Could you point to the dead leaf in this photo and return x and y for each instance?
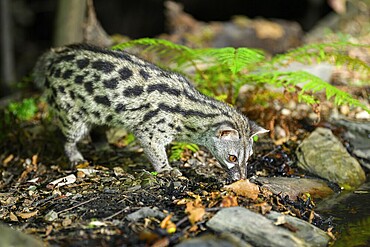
(196, 210)
(34, 159)
(264, 207)
(27, 215)
(168, 224)
(229, 201)
(13, 217)
(330, 233)
(244, 188)
(70, 179)
(48, 230)
(163, 242)
(8, 159)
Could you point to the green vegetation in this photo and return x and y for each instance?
(222, 71)
(178, 149)
(24, 110)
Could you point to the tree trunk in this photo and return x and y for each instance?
(7, 76)
(69, 22)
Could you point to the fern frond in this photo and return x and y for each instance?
(235, 59)
(178, 53)
(310, 84)
(333, 53)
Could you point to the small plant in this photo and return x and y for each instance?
(24, 110)
(178, 150)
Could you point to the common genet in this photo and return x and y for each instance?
(88, 86)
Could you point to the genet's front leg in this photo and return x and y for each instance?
(156, 153)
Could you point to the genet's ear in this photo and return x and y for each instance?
(225, 132)
(256, 129)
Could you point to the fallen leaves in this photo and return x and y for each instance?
(195, 209)
(70, 179)
(27, 215)
(168, 224)
(244, 188)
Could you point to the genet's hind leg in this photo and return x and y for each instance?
(73, 134)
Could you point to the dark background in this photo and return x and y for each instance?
(33, 20)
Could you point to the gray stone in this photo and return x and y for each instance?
(293, 187)
(144, 213)
(323, 155)
(259, 230)
(358, 135)
(10, 237)
(311, 234)
(210, 240)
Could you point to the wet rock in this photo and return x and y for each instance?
(262, 231)
(210, 240)
(10, 237)
(144, 213)
(323, 155)
(358, 135)
(293, 187)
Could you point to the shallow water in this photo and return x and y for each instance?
(351, 216)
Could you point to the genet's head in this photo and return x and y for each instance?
(232, 148)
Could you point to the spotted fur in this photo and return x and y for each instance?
(89, 86)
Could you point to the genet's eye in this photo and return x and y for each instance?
(232, 158)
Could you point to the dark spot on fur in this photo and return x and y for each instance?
(82, 63)
(89, 87)
(144, 74)
(65, 58)
(178, 129)
(47, 83)
(111, 83)
(72, 94)
(82, 98)
(79, 79)
(163, 88)
(61, 89)
(190, 128)
(125, 73)
(109, 118)
(120, 108)
(149, 115)
(103, 66)
(145, 106)
(161, 121)
(67, 74)
(96, 114)
(133, 91)
(57, 73)
(103, 100)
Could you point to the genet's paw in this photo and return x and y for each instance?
(173, 172)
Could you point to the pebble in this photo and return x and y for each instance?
(362, 115)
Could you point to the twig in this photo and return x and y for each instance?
(115, 214)
(80, 204)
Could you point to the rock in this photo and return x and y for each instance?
(262, 231)
(311, 234)
(210, 240)
(322, 70)
(10, 237)
(323, 155)
(293, 187)
(145, 212)
(358, 135)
